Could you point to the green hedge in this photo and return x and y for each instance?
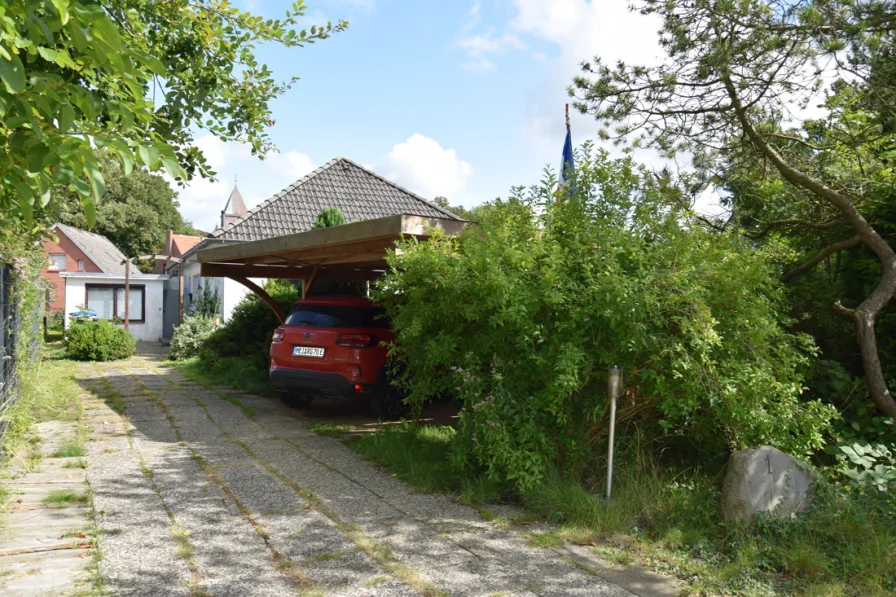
(98, 341)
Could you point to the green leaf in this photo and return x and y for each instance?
(62, 8)
(26, 200)
(97, 184)
(66, 117)
(12, 73)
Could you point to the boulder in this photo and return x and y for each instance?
(764, 480)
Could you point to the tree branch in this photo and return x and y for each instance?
(769, 226)
(819, 257)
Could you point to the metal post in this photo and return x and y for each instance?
(127, 292)
(614, 390)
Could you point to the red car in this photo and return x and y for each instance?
(332, 346)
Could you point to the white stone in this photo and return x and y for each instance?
(764, 480)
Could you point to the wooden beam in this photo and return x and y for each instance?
(226, 270)
(127, 292)
(306, 284)
(388, 228)
(163, 257)
(263, 295)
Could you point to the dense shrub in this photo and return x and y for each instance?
(522, 317)
(189, 336)
(98, 341)
(248, 331)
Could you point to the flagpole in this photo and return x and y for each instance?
(567, 118)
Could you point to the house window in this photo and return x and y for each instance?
(57, 261)
(108, 301)
(80, 265)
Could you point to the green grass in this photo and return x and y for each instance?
(69, 450)
(240, 373)
(331, 429)
(63, 499)
(419, 454)
(668, 519)
(47, 392)
(80, 463)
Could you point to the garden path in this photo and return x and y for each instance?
(203, 493)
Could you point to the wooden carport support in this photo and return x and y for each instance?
(354, 251)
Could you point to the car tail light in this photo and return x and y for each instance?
(278, 335)
(356, 340)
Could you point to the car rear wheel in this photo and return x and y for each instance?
(295, 400)
(388, 404)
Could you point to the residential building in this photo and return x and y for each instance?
(87, 270)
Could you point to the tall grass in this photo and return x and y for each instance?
(242, 373)
(47, 391)
(420, 455)
(666, 516)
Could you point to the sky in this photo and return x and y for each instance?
(460, 98)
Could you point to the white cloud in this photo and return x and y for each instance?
(202, 199)
(422, 165)
(581, 29)
(480, 47)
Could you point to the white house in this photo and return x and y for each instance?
(105, 294)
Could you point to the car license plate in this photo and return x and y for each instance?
(307, 351)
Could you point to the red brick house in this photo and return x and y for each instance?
(77, 250)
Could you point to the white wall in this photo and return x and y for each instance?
(150, 330)
(233, 293)
(230, 291)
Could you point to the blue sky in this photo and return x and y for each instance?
(462, 98)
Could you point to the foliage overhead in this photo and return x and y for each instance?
(139, 78)
(521, 319)
(736, 74)
(135, 214)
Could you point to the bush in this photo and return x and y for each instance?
(98, 341)
(521, 318)
(189, 336)
(247, 334)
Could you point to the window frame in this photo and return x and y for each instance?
(81, 265)
(115, 288)
(53, 267)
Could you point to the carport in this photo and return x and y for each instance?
(355, 251)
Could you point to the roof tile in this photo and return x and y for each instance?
(341, 183)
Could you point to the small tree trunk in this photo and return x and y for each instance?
(877, 385)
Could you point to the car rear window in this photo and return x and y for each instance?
(337, 316)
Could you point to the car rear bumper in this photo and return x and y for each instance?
(317, 383)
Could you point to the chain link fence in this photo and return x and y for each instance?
(9, 322)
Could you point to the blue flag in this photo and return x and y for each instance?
(568, 167)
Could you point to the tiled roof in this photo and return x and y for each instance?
(98, 248)
(341, 183)
(183, 243)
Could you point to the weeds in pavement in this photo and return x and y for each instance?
(63, 499)
(70, 450)
(80, 463)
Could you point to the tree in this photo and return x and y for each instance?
(330, 216)
(135, 214)
(520, 318)
(736, 72)
(140, 78)
(463, 212)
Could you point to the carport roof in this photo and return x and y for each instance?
(355, 246)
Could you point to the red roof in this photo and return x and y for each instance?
(182, 243)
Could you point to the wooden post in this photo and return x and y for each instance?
(127, 292)
(306, 284)
(180, 294)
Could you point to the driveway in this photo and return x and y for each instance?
(214, 493)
